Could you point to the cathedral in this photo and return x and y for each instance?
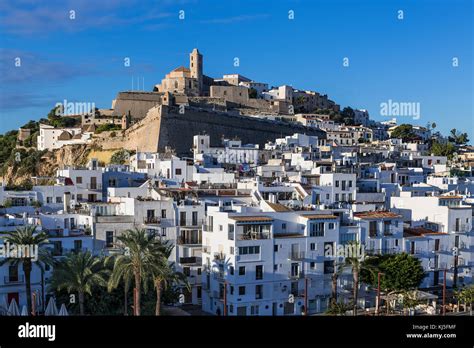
(182, 80)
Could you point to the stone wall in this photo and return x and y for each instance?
(165, 126)
(177, 130)
(137, 103)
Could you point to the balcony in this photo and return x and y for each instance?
(92, 186)
(382, 251)
(207, 228)
(254, 236)
(296, 255)
(437, 266)
(462, 228)
(9, 280)
(152, 220)
(192, 224)
(188, 241)
(293, 275)
(192, 260)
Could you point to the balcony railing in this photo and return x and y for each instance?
(254, 236)
(382, 251)
(20, 279)
(462, 228)
(188, 241)
(299, 275)
(152, 220)
(192, 223)
(207, 228)
(90, 186)
(190, 260)
(296, 255)
(437, 266)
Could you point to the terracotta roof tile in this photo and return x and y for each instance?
(377, 215)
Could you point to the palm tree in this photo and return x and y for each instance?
(357, 264)
(126, 276)
(338, 268)
(137, 259)
(79, 272)
(28, 237)
(164, 274)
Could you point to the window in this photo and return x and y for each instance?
(241, 270)
(283, 226)
(49, 200)
(199, 271)
(230, 233)
(59, 200)
(232, 250)
(187, 271)
(177, 171)
(275, 267)
(163, 231)
(312, 246)
(109, 239)
(241, 290)
(312, 265)
(231, 270)
(77, 245)
(163, 213)
(79, 180)
(316, 229)
(337, 183)
(231, 290)
(258, 291)
(336, 197)
(350, 183)
(373, 228)
(258, 272)
(331, 225)
(249, 250)
(275, 248)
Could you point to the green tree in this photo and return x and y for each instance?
(401, 273)
(404, 132)
(137, 259)
(27, 236)
(443, 149)
(120, 157)
(79, 272)
(339, 308)
(458, 138)
(338, 269)
(163, 272)
(348, 115)
(357, 264)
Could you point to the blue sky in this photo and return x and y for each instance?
(407, 60)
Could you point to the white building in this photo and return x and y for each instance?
(51, 138)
